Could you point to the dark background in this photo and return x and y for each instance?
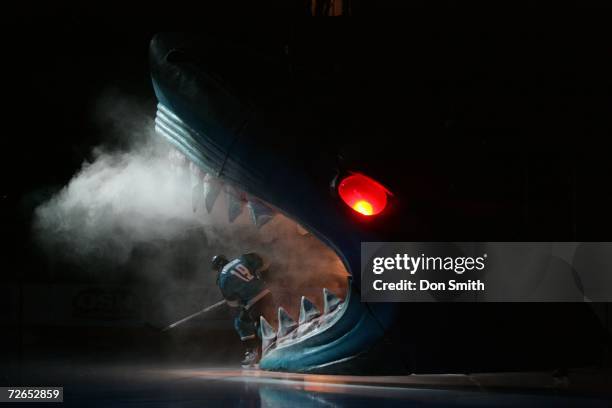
(545, 89)
(61, 61)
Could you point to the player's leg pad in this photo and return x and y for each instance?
(245, 326)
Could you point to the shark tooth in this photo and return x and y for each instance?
(177, 161)
(308, 311)
(197, 175)
(234, 200)
(286, 324)
(171, 153)
(301, 230)
(197, 195)
(175, 156)
(330, 301)
(260, 213)
(212, 188)
(267, 333)
(197, 186)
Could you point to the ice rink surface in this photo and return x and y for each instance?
(139, 385)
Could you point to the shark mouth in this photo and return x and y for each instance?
(268, 187)
(308, 306)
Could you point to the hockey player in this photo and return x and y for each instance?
(243, 288)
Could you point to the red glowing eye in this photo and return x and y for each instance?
(363, 194)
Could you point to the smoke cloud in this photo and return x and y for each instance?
(115, 202)
(127, 215)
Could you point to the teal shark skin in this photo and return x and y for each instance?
(226, 148)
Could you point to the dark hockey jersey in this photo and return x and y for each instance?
(241, 283)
